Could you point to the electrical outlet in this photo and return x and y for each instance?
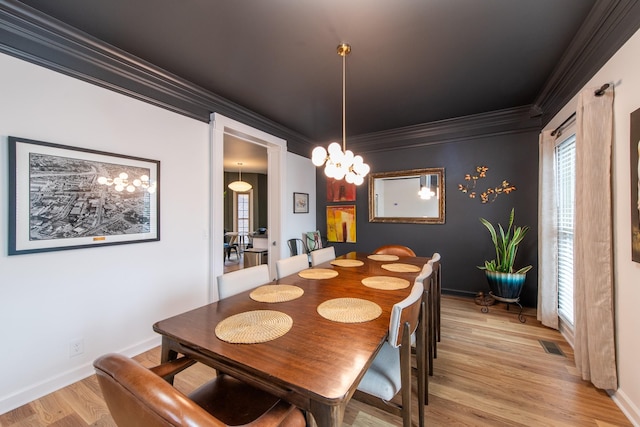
(76, 347)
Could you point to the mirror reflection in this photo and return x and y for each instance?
(410, 196)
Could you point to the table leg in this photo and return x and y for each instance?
(167, 354)
(327, 416)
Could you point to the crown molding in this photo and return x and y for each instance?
(499, 122)
(28, 34)
(608, 26)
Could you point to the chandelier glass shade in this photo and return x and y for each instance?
(340, 163)
(239, 186)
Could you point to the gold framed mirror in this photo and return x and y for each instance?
(409, 196)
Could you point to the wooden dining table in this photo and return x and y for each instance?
(316, 365)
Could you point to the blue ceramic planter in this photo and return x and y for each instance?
(505, 285)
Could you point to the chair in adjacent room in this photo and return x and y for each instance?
(137, 396)
(323, 255)
(398, 250)
(390, 372)
(242, 280)
(296, 247)
(291, 265)
(231, 245)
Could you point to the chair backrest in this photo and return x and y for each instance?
(242, 280)
(136, 396)
(407, 310)
(398, 250)
(435, 264)
(291, 265)
(323, 255)
(296, 247)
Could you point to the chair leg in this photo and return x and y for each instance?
(422, 377)
(405, 376)
(439, 291)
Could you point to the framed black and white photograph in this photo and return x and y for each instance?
(63, 197)
(300, 203)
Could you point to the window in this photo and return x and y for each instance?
(242, 213)
(565, 158)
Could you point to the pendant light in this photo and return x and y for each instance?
(239, 186)
(340, 163)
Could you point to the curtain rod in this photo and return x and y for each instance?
(598, 92)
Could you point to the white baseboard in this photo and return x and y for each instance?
(56, 382)
(627, 407)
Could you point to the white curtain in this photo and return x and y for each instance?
(594, 346)
(547, 234)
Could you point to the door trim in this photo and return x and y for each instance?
(276, 177)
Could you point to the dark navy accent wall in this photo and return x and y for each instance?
(462, 240)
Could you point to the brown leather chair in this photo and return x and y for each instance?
(137, 396)
(398, 250)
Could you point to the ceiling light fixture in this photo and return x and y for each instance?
(341, 163)
(239, 186)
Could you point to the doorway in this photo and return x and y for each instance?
(229, 131)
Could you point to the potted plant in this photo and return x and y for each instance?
(504, 282)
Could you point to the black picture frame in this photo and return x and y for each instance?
(300, 203)
(635, 184)
(56, 201)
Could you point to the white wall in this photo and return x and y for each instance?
(623, 70)
(108, 296)
(300, 178)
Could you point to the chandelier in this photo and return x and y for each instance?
(122, 183)
(340, 163)
(239, 186)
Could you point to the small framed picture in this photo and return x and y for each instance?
(300, 203)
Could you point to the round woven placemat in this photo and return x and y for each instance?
(401, 268)
(383, 257)
(317, 273)
(349, 310)
(386, 283)
(347, 262)
(276, 293)
(252, 327)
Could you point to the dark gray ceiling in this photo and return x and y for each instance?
(413, 61)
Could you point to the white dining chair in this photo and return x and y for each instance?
(322, 255)
(437, 293)
(426, 278)
(291, 265)
(390, 372)
(242, 280)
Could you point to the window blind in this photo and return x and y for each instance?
(565, 192)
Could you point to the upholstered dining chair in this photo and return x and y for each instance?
(137, 396)
(390, 372)
(323, 255)
(242, 280)
(437, 293)
(398, 250)
(291, 265)
(426, 279)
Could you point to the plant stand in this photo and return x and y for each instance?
(521, 318)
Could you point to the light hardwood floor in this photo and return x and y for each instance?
(491, 370)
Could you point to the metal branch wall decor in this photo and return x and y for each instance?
(491, 193)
